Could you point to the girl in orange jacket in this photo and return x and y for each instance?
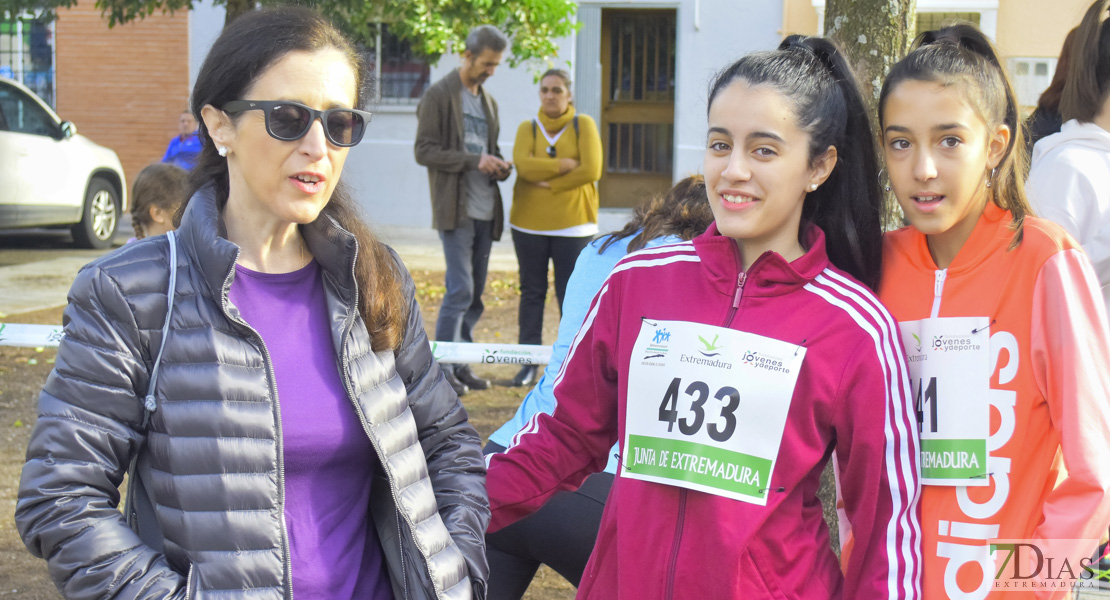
(1005, 333)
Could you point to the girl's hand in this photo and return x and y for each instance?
(566, 165)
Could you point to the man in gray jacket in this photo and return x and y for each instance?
(456, 138)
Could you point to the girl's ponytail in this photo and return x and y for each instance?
(1088, 79)
(849, 205)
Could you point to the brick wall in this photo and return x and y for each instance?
(124, 87)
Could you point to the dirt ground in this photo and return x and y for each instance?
(24, 370)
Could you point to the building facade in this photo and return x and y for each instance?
(641, 69)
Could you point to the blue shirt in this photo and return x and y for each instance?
(590, 272)
(183, 153)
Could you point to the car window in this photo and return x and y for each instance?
(24, 115)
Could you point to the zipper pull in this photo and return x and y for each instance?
(938, 287)
(739, 289)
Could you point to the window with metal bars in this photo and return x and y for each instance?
(644, 59)
(401, 75)
(640, 147)
(641, 78)
(27, 54)
(930, 21)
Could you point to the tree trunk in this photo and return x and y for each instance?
(235, 8)
(875, 34)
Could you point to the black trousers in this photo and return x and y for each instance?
(533, 252)
(560, 535)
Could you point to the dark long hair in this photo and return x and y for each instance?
(961, 56)
(244, 51)
(158, 184)
(1050, 97)
(683, 212)
(1088, 79)
(813, 75)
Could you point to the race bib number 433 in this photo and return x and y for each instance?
(707, 407)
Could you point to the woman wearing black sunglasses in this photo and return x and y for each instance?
(554, 214)
(263, 377)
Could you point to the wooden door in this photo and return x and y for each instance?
(637, 105)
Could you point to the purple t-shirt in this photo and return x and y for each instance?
(329, 461)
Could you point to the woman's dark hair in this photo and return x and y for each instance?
(1050, 98)
(684, 212)
(163, 185)
(1088, 79)
(561, 74)
(962, 58)
(814, 77)
(246, 48)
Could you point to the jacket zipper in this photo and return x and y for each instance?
(374, 442)
(381, 458)
(189, 583)
(938, 287)
(740, 280)
(286, 559)
(677, 542)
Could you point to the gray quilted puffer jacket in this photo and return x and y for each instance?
(207, 518)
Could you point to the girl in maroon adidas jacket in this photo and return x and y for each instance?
(730, 368)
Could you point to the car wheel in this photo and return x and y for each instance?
(100, 217)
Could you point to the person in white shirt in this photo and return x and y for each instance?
(1069, 181)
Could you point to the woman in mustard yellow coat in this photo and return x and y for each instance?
(554, 214)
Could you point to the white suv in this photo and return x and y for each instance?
(50, 176)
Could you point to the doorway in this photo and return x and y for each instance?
(637, 105)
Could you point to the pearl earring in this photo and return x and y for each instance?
(887, 188)
(221, 150)
(813, 187)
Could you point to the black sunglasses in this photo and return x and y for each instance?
(289, 121)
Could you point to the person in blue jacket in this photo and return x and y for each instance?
(185, 146)
(561, 535)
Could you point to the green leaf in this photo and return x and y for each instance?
(430, 26)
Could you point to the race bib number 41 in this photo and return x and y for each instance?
(707, 407)
(949, 365)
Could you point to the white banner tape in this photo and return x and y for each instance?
(30, 336)
(47, 336)
(491, 354)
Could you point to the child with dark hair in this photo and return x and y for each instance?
(158, 192)
(1006, 331)
(729, 368)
